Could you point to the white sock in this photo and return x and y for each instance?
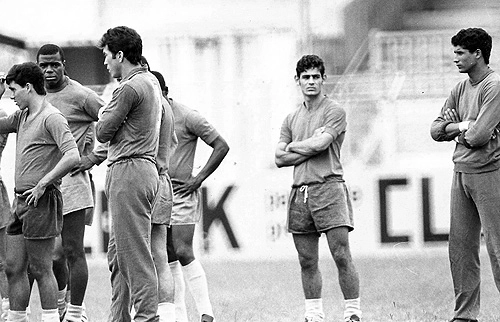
(314, 307)
(50, 315)
(352, 306)
(5, 308)
(73, 313)
(166, 312)
(61, 301)
(197, 282)
(17, 316)
(179, 292)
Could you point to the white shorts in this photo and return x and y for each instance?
(76, 192)
(186, 210)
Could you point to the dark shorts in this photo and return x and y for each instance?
(317, 208)
(40, 222)
(4, 205)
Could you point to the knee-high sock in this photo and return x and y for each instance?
(197, 283)
(180, 292)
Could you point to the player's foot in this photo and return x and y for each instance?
(315, 318)
(207, 318)
(353, 318)
(462, 320)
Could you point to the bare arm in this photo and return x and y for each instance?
(313, 145)
(69, 160)
(220, 150)
(284, 158)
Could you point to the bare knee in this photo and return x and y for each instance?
(342, 256)
(184, 253)
(308, 262)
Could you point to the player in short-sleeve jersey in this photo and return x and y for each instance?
(310, 140)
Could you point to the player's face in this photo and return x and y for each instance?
(464, 59)
(311, 82)
(53, 69)
(112, 63)
(19, 94)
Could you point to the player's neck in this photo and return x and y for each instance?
(59, 86)
(36, 104)
(478, 73)
(311, 102)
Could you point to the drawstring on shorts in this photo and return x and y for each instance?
(304, 190)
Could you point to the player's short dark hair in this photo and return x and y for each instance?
(473, 39)
(161, 80)
(123, 39)
(144, 62)
(27, 73)
(50, 49)
(308, 62)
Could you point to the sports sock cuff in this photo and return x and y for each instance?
(314, 305)
(193, 269)
(51, 315)
(352, 306)
(74, 313)
(17, 316)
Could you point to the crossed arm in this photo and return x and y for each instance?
(296, 152)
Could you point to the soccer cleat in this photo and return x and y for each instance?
(462, 320)
(315, 318)
(207, 318)
(353, 318)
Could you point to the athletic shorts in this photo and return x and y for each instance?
(186, 209)
(76, 192)
(4, 206)
(162, 205)
(319, 207)
(40, 222)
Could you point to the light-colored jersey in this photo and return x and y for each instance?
(41, 142)
(301, 124)
(189, 126)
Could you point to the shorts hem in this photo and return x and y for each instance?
(323, 230)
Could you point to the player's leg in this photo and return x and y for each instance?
(178, 279)
(338, 242)
(166, 307)
(487, 189)
(40, 259)
(464, 244)
(16, 266)
(120, 293)
(4, 285)
(74, 252)
(307, 250)
(132, 187)
(60, 268)
(4, 219)
(182, 236)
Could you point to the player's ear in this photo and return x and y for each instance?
(296, 78)
(324, 77)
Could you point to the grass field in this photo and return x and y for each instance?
(396, 285)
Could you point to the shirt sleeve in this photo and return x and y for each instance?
(286, 132)
(93, 104)
(200, 127)
(115, 113)
(438, 127)
(335, 121)
(488, 118)
(58, 128)
(8, 124)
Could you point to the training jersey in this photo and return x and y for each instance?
(40, 143)
(189, 126)
(131, 120)
(3, 138)
(80, 105)
(168, 139)
(478, 102)
(301, 124)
